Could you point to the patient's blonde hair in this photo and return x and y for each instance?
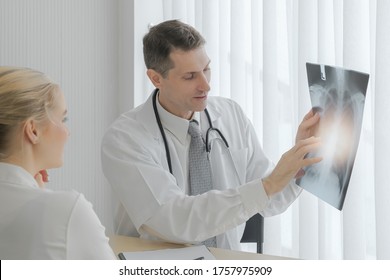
(24, 94)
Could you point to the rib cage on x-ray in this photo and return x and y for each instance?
(338, 95)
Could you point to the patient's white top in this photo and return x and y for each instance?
(43, 224)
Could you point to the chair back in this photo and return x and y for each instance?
(254, 232)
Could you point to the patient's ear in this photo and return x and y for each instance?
(154, 77)
(31, 131)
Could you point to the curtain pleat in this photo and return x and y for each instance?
(356, 55)
(257, 66)
(382, 132)
(211, 27)
(307, 52)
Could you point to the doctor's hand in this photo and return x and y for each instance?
(308, 126)
(291, 164)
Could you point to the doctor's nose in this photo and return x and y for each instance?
(204, 82)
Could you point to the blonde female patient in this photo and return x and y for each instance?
(36, 223)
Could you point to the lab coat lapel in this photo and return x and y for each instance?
(148, 119)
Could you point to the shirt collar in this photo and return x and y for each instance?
(174, 124)
(15, 174)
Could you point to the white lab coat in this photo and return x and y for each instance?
(154, 203)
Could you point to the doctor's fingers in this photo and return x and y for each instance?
(310, 160)
(306, 145)
(309, 121)
(309, 115)
(294, 159)
(297, 155)
(308, 126)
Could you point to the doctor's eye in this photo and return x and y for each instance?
(188, 77)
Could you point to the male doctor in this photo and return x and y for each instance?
(147, 165)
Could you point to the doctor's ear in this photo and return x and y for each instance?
(31, 131)
(154, 77)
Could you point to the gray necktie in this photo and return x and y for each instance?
(200, 170)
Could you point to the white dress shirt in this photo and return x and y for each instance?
(155, 204)
(43, 224)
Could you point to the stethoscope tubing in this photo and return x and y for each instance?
(158, 120)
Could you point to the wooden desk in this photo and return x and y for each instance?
(121, 243)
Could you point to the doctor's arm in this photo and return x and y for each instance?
(192, 219)
(157, 206)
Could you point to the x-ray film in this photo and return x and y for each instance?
(338, 95)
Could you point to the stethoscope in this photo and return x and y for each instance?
(209, 130)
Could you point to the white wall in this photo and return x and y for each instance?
(126, 54)
(76, 43)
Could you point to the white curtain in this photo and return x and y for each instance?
(258, 51)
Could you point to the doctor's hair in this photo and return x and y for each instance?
(24, 94)
(164, 38)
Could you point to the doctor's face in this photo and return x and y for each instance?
(185, 88)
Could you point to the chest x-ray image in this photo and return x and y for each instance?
(338, 95)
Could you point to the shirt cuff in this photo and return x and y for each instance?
(254, 197)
